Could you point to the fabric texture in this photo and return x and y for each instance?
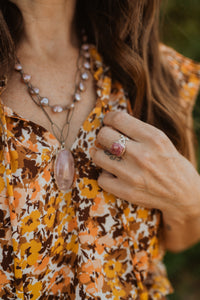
(86, 243)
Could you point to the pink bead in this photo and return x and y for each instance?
(86, 65)
(87, 55)
(117, 149)
(57, 109)
(44, 101)
(34, 91)
(26, 78)
(77, 97)
(82, 87)
(85, 47)
(84, 75)
(18, 67)
(64, 170)
(99, 93)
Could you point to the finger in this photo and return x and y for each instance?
(107, 136)
(135, 153)
(130, 126)
(115, 165)
(123, 190)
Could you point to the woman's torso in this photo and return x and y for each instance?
(83, 244)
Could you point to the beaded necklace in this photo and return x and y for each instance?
(64, 161)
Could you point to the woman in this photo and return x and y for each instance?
(95, 187)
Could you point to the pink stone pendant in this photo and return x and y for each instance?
(64, 170)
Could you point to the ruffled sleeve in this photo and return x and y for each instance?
(187, 75)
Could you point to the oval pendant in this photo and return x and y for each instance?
(64, 170)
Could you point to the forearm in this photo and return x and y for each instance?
(180, 235)
(182, 221)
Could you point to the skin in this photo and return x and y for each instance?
(48, 25)
(48, 52)
(151, 173)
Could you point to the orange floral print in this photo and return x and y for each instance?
(85, 243)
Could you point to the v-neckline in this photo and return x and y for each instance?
(101, 101)
(10, 113)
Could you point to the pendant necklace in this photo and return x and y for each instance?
(64, 161)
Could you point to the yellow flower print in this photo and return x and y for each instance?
(94, 53)
(30, 252)
(20, 294)
(15, 245)
(14, 160)
(68, 198)
(98, 73)
(59, 245)
(142, 213)
(67, 213)
(2, 184)
(109, 198)
(73, 245)
(154, 247)
(45, 155)
(113, 268)
(161, 284)
(70, 213)
(89, 188)
(106, 86)
(9, 185)
(89, 125)
(127, 211)
(49, 218)
(118, 293)
(17, 268)
(35, 290)
(30, 223)
(117, 289)
(144, 296)
(2, 167)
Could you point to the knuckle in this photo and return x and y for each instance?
(102, 133)
(137, 181)
(146, 159)
(159, 138)
(146, 156)
(118, 117)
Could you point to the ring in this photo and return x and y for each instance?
(118, 148)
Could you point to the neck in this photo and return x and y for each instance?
(48, 28)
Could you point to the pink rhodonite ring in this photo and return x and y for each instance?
(118, 148)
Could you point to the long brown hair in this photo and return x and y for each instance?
(126, 34)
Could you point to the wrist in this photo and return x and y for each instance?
(180, 233)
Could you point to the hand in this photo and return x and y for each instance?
(151, 173)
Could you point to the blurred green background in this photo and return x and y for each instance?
(180, 29)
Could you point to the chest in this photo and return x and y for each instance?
(18, 99)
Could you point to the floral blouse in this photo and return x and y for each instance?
(85, 243)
